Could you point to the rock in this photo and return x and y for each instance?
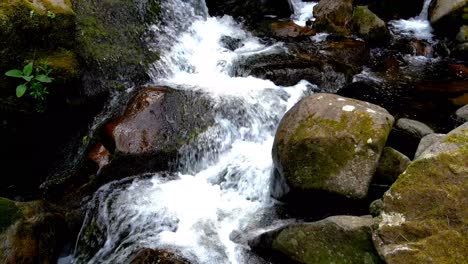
(100, 155)
(369, 26)
(289, 29)
(413, 127)
(252, 11)
(393, 9)
(112, 43)
(32, 232)
(447, 16)
(462, 35)
(231, 43)
(427, 141)
(336, 239)
(330, 64)
(150, 256)
(462, 113)
(376, 207)
(406, 135)
(331, 143)
(333, 16)
(426, 210)
(392, 163)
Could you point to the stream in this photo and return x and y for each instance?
(221, 190)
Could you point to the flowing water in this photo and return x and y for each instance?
(222, 186)
(418, 27)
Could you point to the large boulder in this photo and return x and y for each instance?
(447, 16)
(252, 11)
(336, 239)
(32, 232)
(425, 212)
(333, 16)
(369, 26)
(331, 143)
(146, 136)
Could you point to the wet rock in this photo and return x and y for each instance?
(289, 29)
(462, 113)
(32, 232)
(425, 211)
(231, 43)
(369, 26)
(100, 155)
(330, 64)
(413, 127)
(251, 11)
(406, 134)
(392, 163)
(111, 43)
(155, 125)
(393, 9)
(331, 143)
(332, 240)
(427, 141)
(333, 16)
(153, 256)
(447, 16)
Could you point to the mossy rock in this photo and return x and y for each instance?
(333, 16)
(336, 239)
(64, 65)
(331, 143)
(36, 234)
(9, 213)
(447, 16)
(110, 37)
(426, 211)
(392, 163)
(369, 26)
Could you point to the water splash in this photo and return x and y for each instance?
(418, 27)
(223, 182)
(303, 11)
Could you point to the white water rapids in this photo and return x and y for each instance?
(196, 213)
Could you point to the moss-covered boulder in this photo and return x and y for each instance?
(336, 239)
(447, 16)
(333, 16)
(331, 143)
(369, 26)
(111, 42)
(425, 213)
(31, 232)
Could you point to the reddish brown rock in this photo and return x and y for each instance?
(288, 29)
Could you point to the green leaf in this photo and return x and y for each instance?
(28, 78)
(28, 69)
(20, 90)
(44, 78)
(14, 73)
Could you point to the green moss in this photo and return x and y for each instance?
(326, 244)
(64, 65)
(90, 231)
(9, 213)
(314, 158)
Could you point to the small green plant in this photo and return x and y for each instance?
(34, 85)
(50, 14)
